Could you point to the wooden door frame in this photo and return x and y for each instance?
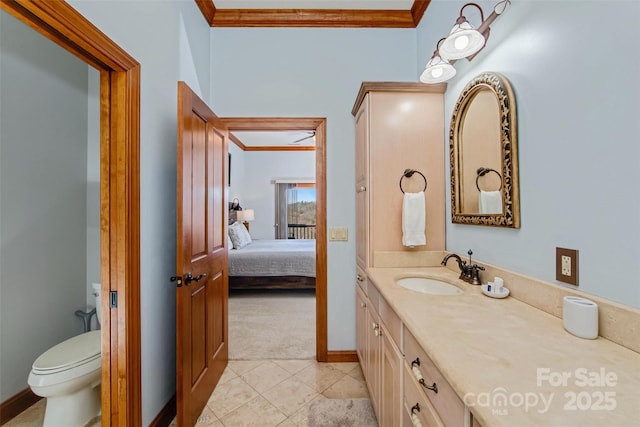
(119, 195)
(320, 126)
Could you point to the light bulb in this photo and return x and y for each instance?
(461, 42)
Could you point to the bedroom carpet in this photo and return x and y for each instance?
(342, 413)
(272, 325)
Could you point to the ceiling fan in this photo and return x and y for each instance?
(310, 134)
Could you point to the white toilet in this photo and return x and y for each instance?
(68, 376)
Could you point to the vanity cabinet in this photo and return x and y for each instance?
(401, 377)
(398, 126)
(381, 360)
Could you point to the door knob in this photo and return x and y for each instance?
(189, 278)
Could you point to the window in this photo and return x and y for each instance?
(295, 211)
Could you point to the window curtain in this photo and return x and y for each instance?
(281, 225)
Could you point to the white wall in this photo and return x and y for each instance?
(574, 67)
(237, 172)
(258, 192)
(170, 39)
(43, 184)
(304, 72)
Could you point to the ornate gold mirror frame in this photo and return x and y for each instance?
(506, 121)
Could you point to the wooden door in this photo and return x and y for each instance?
(202, 285)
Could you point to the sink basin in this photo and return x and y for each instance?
(428, 286)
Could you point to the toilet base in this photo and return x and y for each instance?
(72, 410)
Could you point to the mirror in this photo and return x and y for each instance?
(483, 151)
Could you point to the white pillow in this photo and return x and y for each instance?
(239, 235)
(229, 242)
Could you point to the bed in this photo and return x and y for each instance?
(273, 264)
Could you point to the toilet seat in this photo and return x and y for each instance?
(76, 351)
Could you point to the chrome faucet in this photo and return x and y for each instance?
(470, 273)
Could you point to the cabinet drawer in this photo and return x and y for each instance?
(391, 321)
(415, 402)
(374, 297)
(445, 401)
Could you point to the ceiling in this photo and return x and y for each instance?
(275, 138)
(314, 13)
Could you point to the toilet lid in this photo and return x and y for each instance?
(68, 354)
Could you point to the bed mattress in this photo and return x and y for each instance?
(283, 257)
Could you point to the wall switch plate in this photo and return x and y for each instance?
(567, 266)
(340, 234)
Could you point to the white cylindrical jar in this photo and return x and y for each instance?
(580, 317)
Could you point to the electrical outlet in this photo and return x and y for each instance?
(567, 266)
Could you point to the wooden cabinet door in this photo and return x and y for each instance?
(362, 142)
(362, 186)
(373, 357)
(361, 328)
(390, 382)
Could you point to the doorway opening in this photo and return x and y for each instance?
(318, 127)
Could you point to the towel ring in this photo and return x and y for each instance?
(483, 172)
(408, 173)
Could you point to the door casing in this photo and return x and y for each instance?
(119, 195)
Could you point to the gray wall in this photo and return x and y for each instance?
(258, 193)
(93, 188)
(43, 201)
(578, 132)
(307, 72)
(170, 39)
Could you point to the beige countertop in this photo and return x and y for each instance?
(512, 364)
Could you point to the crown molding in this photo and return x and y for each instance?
(325, 18)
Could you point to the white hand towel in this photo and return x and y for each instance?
(413, 219)
(490, 202)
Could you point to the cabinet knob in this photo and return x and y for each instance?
(363, 305)
(359, 278)
(361, 189)
(415, 408)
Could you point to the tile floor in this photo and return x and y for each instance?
(262, 393)
(34, 416)
(278, 392)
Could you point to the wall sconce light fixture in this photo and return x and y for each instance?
(463, 41)
(437, 69)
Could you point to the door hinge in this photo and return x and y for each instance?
(113, 299)
(177, 279)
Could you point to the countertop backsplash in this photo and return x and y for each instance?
(617, 322)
